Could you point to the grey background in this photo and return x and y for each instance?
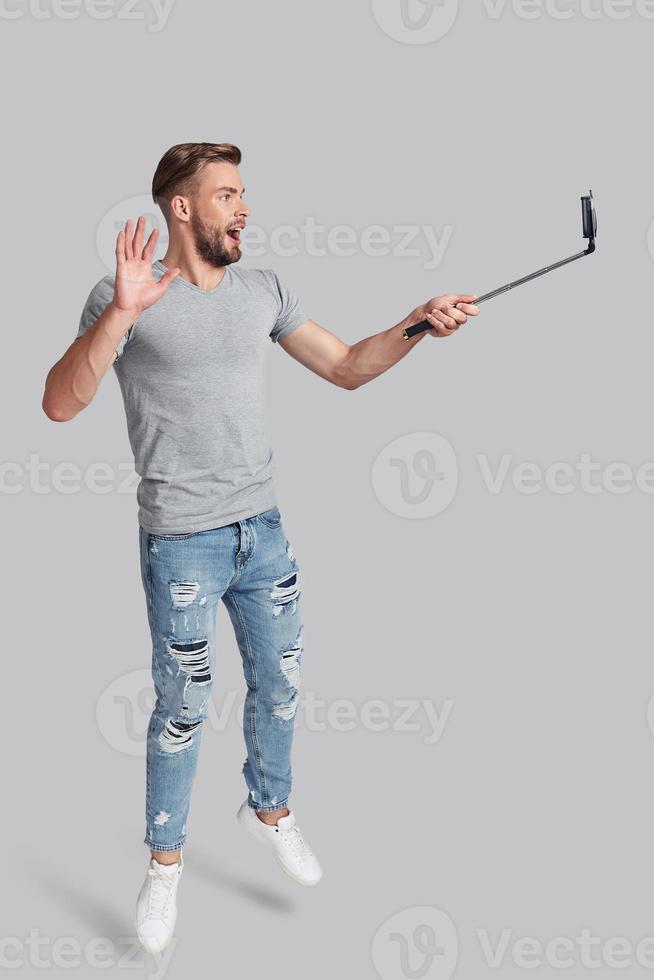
(531, 613)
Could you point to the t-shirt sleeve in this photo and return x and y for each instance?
(291, 313)
(96, 303)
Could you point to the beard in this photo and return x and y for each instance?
(209, 241)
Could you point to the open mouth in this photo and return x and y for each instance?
(235, 235)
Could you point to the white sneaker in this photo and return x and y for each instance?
(287, 843)
(156, 907)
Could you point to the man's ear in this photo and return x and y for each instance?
(179, 206)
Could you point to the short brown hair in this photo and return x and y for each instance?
(180, 167)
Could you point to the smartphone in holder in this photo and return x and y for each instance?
(589, 217)
(589, 221)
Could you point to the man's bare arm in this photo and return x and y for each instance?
(72, 382)
(350, 366)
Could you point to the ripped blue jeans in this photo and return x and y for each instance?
(250, 565)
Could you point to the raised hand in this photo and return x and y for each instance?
(136, 288)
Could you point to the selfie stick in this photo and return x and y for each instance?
(589, 219)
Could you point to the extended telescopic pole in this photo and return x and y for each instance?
(590, 230)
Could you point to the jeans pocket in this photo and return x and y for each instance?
(270, 517)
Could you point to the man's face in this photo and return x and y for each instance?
(218, 214)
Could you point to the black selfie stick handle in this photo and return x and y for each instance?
(590, 230)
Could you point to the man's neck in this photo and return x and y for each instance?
(194, 269)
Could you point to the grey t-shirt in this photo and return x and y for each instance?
(190, 370)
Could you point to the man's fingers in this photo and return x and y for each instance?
(120, 247)
(439, 317)
(447, 313)
(459, 298)
(150, 245)
(129, 235)
(442, 322)
(437, 329)
(450, 315)
(457, 314)
(139, 236)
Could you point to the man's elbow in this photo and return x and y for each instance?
(55, 413)
(344, 377)
(344, 381)
(55, 410)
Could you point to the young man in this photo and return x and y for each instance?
(186, 335)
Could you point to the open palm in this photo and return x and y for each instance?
(135, 287)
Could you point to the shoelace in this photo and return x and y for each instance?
(161, 888)
(292, 836)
